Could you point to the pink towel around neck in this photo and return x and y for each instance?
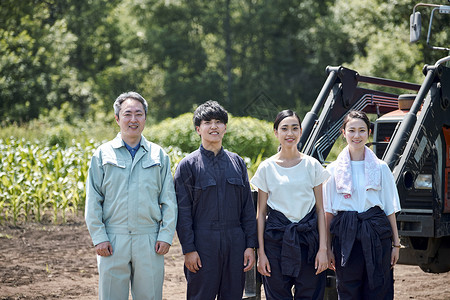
(343, 175)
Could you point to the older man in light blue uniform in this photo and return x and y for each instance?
(131, 207)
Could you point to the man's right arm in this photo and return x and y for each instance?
(184, 182)
(94, 201)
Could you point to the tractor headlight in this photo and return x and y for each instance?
(423, 182)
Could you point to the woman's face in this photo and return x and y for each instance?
(356, 133)
(288, 132)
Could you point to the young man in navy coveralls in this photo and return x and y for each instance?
(216, 222)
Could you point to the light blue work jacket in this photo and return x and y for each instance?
(125, 196)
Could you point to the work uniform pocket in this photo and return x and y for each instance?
(201, 187)
(150, 177)
(236, 181)
(148, 191)
(113, 162)
(151, 239)
(236, 186)
(148, 163)
(115, 172)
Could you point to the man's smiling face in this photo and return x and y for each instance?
(211, 131)
(131, 119)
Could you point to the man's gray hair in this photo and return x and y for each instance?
(129, 95)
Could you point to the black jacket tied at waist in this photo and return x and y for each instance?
(291, 235)
(369, 228)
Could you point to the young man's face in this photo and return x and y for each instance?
(131, 119)
(211, 131)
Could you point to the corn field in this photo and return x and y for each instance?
(35, 180)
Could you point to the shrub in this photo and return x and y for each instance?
(176, 132)
(246, 136)
(249, 137)
(53, 130)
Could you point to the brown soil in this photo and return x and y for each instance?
(58, 262)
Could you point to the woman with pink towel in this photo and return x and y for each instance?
(360, 200)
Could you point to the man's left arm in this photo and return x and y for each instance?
(248, 214)
(168, 206)
(248, 221)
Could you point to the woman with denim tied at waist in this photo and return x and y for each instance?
(361, 200)
(292, 241)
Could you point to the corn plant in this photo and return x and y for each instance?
(37, 179)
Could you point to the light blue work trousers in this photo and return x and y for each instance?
(134, 263)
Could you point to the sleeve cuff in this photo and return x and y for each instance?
(100, 239)
(252, 244)
(188, 248)
(164, 237)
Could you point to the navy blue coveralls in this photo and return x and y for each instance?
(216, 218)
(362, 246)
(291, 249)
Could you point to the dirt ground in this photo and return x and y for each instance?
(58, 262)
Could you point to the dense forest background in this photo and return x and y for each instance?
(254, 57)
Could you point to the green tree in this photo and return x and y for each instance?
(234, 50)
(33, 59)
(50, 53)
(379, 34)
(178, 54)
(176, 43)
(282, 49)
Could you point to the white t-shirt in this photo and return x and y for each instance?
(290, 189)
(361, 200)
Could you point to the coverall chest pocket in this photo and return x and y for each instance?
(115, 171)
(201, 188)
(150, 186)
(150, 177)
(237, 182)
(236, 185)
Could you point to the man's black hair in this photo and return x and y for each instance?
(208, 111)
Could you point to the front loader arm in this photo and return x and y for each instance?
(434, 115)
(339, 95)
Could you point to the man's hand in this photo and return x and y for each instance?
(249, 259)
(192, 261)
(104, 249)
(162, 247)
